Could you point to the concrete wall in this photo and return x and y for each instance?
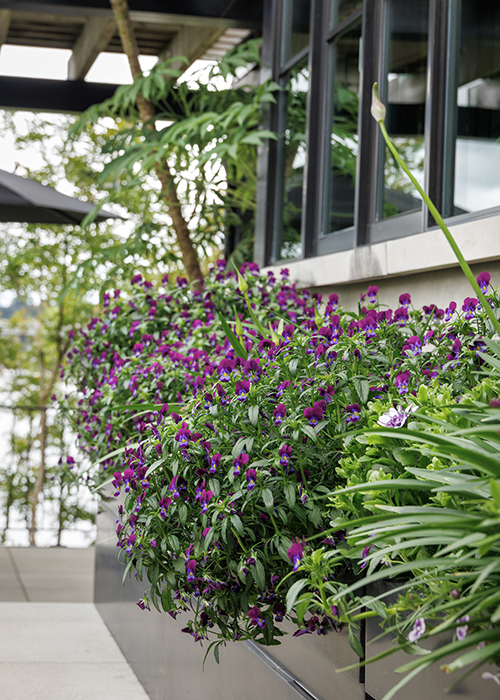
(422, 264)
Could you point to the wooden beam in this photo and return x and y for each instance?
(94, 38)
(5, 18)
(191, 42)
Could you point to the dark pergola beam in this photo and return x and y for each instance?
(51, 95)
(239, 13)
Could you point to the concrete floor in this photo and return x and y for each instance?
(53, 642)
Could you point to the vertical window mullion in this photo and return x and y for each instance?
(267, 157)
(315, 129)
(435, 126)
(367, 166)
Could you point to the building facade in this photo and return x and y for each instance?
(333, 207)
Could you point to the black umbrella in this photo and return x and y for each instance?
(30, 202)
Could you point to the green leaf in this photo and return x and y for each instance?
(362, 389)
(166, 599)
(267, 497)
(259, 574)
(238, 525)
(293, 593)
(302, 605)
(310, 432)
(289, 490)
(356, 645)
(253, 415)
(495, 492)
(238, 347)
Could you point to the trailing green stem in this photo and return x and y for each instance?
(379, 115)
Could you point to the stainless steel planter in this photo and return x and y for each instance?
(170, 664)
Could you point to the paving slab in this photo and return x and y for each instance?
(11, 587)
(57, 651)
(52, 574)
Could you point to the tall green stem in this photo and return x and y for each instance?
(378, 112)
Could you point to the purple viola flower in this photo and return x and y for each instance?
(450, 310)
(369, 325)
(136, 279)
(372, 294)
(296, 553)
(205, 497)
(285, 453)
(224, 369)
(256, 617)
(164, 504)
(131, 543)
(173, 488)
(418, 630)
(128, 479)
(469, 307)
(251, 477)
(333, 300)
(483, 280)
(214, 462)
(405, 300)
(463, 629)
(279, 413)
(118, 478)
(413, 346)
(190, 569)
(353, 413)
(239, 462)
(241, 390)
(315, 413)
(401, 382)
(401, 316)
(478, 346)
(396, 417)
(281, 388)
(252, 369)
(279, 612)
(288, 332)
(183, 436)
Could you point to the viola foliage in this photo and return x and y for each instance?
(237, 446)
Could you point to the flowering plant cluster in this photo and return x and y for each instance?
(224, 492)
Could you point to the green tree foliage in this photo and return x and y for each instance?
(206, 131)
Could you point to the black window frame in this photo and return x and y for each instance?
(437, 168)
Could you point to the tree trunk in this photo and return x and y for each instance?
(40, 477)
(8, 505)
(147, 114)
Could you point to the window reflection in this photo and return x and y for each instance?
(342, 9)
(344, 130)
(477, 119)
(297, 14)
(293, 160)
(405, 90)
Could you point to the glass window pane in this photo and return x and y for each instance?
(344, 130)
(292, 159)
(342, 9)
(297, 18)
(477, 146)
(404, 93)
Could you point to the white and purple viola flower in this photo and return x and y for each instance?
(396, 417)
(418, 630)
